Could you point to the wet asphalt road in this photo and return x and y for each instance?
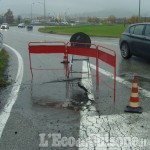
(51, 105)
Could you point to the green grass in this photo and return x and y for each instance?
(91, 30)
(3, 64)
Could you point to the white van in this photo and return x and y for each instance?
(5, 26)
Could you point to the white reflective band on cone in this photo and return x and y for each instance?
(134, 104)
(134, 95)
(134, 85)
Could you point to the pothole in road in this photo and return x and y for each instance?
(77, 99)
(76, 102)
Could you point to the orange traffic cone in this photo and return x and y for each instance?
(134, 106)
(65, 60)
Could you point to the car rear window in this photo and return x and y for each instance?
(147, 30)
(139, 29)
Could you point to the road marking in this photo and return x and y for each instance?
(4, 115)
(107, 43)
(104, 131)
(144, 92)
(87, 83)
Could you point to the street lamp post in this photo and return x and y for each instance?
(31, 11)
(139, 10)
(44, 11)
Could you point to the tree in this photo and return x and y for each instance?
(111, 19)
(19, 19)
(1, 19)
(9, 16)
(93, 20)
(133, 19)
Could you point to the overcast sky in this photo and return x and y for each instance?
(20, 7)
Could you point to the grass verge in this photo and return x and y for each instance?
(3, 65)
(91, 30)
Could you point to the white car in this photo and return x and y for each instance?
(5, 26)
(21, 25)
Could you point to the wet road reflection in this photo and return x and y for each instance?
(53, 104)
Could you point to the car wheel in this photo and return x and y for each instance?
(125, 51)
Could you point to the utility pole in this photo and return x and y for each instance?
(31, 11)
(139, 10)
(44, 12)
(43, 3)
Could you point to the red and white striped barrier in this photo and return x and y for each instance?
(98, 52)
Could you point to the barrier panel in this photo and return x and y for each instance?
(98, 52)
(109, 57)
(45, 48)
(82, 49)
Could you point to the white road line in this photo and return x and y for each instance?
(107, 43)
(103, 132)
(87, 83)
(4, 115)
(144, 92)
(87, 80)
